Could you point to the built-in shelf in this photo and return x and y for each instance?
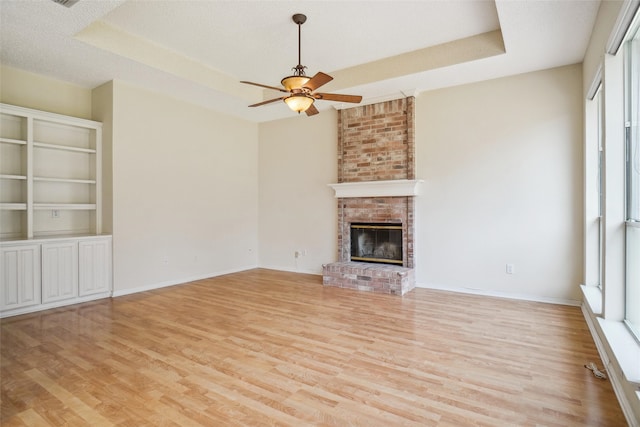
(65, 180)
(13, 141)
(63, 147)
(52, 251)
(13, 206)
(17, 177)
(49, 162)
(64, 206)
(393, 188)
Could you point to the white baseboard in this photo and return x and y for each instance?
(183, 280)
(291, 270)
(586, 312)
(57, 304)
(508, 295)
(498, 294)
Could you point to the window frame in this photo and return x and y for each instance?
(632, 180)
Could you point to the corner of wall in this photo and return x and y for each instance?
(30, 90)
(102, 111)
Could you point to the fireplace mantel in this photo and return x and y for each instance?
(394, 188)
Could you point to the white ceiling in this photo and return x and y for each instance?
(200, 50)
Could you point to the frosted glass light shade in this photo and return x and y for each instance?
(299, 102)
(294, 82)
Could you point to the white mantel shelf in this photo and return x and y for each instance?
(394, 188)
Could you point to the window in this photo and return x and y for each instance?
(632, 184)
(600, 181)
(594, 189)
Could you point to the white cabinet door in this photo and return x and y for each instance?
(20, 276)
(95, 266)
(59, 271)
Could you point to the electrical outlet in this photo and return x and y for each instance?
(55, 213)
(510, 269)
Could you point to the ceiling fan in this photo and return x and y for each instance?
(300, 88)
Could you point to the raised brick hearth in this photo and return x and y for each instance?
(375, 143)
(365, 276)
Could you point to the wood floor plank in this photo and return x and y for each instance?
(263, 347)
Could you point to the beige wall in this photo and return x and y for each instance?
(185, 191)
(298, 211)
(502, 161)
(31, 90)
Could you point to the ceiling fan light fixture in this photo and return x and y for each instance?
(300, 88)
(299, 102)
(291, 83)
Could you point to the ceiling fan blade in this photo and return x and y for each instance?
(267, 102)
(318, 80)
(265, 86)
(312, 110)
(338, 97)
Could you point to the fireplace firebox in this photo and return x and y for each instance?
(377, 243)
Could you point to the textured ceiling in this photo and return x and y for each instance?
(200, 50)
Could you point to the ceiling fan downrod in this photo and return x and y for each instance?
(299, 19)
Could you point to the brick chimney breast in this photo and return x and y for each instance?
(375, 143)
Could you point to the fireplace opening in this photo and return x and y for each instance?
(378, 243)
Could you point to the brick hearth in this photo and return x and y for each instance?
(365, 276)
(375, 143)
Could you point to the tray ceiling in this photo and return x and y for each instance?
(200, 50)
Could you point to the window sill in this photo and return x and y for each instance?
(625, 348)
(593, 297)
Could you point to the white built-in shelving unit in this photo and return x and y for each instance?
(50, 209)
(50, 174)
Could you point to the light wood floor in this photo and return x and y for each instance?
(271, 348)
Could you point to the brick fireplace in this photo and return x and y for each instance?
(376, 184)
